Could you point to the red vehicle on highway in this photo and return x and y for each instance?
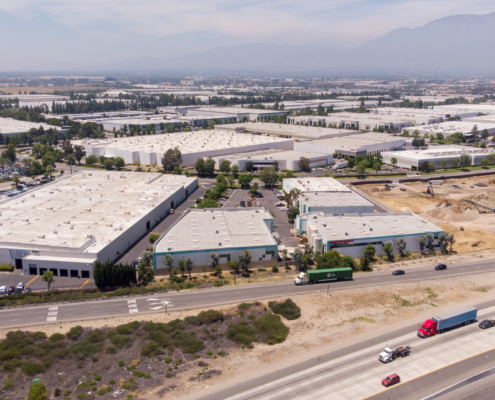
(391, 380)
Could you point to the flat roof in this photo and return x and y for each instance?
(367, 226)
(216, 230)
(10, 125)
(441, 152)
(84, 211)
(359, 140)
(188, 142)
(487, 108)
(338, 199)
(271, 154)
(296, 131)
(311, 184)
(450, 127)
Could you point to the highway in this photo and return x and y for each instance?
(191, 299)
(356, 373)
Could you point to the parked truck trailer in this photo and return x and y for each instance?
(312, 277)
(451, 319)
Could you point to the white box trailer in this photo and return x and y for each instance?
(340, 165)
(436, 182)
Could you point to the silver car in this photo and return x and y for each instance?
(3, 289)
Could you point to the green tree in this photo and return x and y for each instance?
(177, 171)
(37, 391)
(389, 250)
(235, 171)
(145, 274)
(269, 177)
(425, 166)
(369, 253)
(49, 170)
(451, 240)
(48, 278)
(79, 153)
(442, 241)
(348, 262)
(200, 166)
(168, 261)
(422, 243)
(484, 134)
(16, 179)
(292, 214)
(455, 162)
(393, 161)
(351, 162)
(330, 259)
(91, 159)
(377, 166)
(298, 254)
(432, 166)
(464, 161)
(119, 163)
(245, 180)
(304, 164)
(401, 246)
(10, 152)
(171, 159)
(249, 166)
(429, 241)
(475, 132)
(214, 259)
(491, 158)
(189, 265)
(210, 166)
(225, 166)
(182, 267)
(484, 162)
(244, 258)
(153, 237)
(361, 168)
(108, 164)
(443, 163)
(231, 180)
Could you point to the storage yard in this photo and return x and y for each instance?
(473, 231)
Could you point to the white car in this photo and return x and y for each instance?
(3, 289)
(20, 285)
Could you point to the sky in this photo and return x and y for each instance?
(41, 32)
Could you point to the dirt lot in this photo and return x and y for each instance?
(327, 323)
(479, 229)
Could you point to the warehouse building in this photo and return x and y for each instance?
(298, 132)
(472, 108)
(421, 116)
(237, 113)
(358, 144)
(278, 159)
(357, 121)
(326, 195)
(67, 225)
(449, 128)
(413, 159)
(226, 233)
(10, 126)
(351, 234)
(149, 149)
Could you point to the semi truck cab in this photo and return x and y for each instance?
(429, 328)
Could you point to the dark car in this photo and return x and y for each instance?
(18, 291)
(10, 290)
(259, 195)
(440, 267)
(391, 380)
(487, 323)
(399, 272)
(28, 290)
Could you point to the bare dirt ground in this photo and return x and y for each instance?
(327, 323)
(473, 231)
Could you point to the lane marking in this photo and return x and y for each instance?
(84, 283)
(51, 319)
(133, 310)
(32, 280)
(53, 308)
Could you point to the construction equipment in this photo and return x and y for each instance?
(481, 209)
(447, 203)
(429, 191)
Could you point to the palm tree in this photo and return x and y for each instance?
(49, 169)
(189, 265)
(70, 160)
(16, 179)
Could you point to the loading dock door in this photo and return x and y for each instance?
(18, 263)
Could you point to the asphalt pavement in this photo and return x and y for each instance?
(187, 300)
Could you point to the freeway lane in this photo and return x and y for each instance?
(178, 301)
(357, 373)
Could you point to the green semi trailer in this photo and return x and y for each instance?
(312, 277)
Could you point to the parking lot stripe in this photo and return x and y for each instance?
(32, 280)
(84, 283)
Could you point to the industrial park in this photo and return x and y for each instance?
(209, 201)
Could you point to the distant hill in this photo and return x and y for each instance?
(461, 44)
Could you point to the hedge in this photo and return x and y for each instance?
(6, 267)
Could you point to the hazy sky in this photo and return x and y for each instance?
(43, 31)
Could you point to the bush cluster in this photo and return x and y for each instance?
(6, 267)
(288, 309)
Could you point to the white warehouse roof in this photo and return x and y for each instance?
(10, 126)
(309, 184)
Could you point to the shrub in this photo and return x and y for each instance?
(90, 344)
(8, 384)
(10, 366)
(209, 353)
(120, 341)
(188, 342)
(81, 396)
(97, 378)
(168, 360)
(252, 317)
(38, 335)
(151, 349)
(104, 391)
(37, 391)
(196, 321)
(32, 368)
(67, 393)
(244, 306)
(111, 382)
(221, 353)
(138, 373)
(6, 267)
(111, 350)
(74, 332)
(169, 375)
(274, 269)
(272, 326)
(95, 359)
(57, 392)
(126, 328)
(121, 364)
(288, 309)
(210, 316)
(56, 337)
(241, 333)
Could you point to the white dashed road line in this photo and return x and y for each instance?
(132, 306)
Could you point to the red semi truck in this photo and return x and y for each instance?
(451, 319)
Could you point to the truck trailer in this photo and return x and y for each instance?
(312, 277)
(388, 355)
(451, 319)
